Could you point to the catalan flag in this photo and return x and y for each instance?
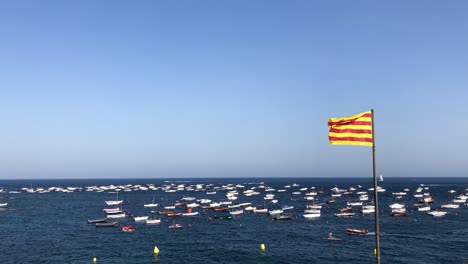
(351, 130)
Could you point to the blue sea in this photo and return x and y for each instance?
(52, 227)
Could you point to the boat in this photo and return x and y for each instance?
(220, 209)
(3, 204)
(381, 178)
(311, 216)
(153, 221)
(152, 204)
(452, 206)
(282, 217)
(368, 210)
(346, 209)
(174, 214)
(174, 226)
(287, 207)
(115, 202)
(140, 218)
(165, 212)
(102, 220)
(261, 211)
(437, 213)
(223, 216)
(190, 214)
(356, 231)
(122, 215)
(171, 207)
(424, 208)
(398, 211)
(237, 212)
(275, 212)
(128, 229)
(330, 237)
(312, 211)
(106, 224)
(399, 214)
(112, 210)
(345, 214)
(397, 206)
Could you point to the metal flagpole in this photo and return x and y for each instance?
(376, 201)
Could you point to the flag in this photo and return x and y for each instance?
(351, 130)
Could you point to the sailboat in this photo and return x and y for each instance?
(152, 204)
(115, 202)
(381, 178)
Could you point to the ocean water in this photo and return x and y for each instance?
(52, 227)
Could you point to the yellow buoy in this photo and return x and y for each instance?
(262, 247)
(94, 260)
(156, 250)
(375, 251)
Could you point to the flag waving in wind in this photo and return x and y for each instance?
(351, 130)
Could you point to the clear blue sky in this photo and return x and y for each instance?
(230, 88)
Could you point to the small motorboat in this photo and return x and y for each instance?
(220, 209)
(223, 216)
(437, 213)
(174, 214)
(140, 218)
(345, 215)
(190, 214)
(282, 217)
(173, 226)
(330, 237)
(97, 221)
(3, 204)
(287, 207)
(128, 229)
(106, 224)
(356, 231)
(346, 209)
(399, 214)
(153, 221)
(237, 212)
(165, 212)
(311, 216)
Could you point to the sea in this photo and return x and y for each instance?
(52, 227)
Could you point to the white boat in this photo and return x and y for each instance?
(354, 203)
(368, 210)
(112, 210)
(311, 211)
(314, 206)
(459, 200)
(424, 209)
(3, 204)
(190, 214)
(140, 218)
(437, 213)
(237, 212)
(396, 206)
(381, 178)
(260, 211)
(311, 216)
(398, 210)
(344, 215)
(153, 221)
(275, 212)
(115, 202)
(170, 207)
(250, 208)
(122, 215)
(192, 205)
(452, 206)
(152, 204)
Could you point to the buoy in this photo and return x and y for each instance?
(375, 251)
(262, 247)
(156, 250)
(94, 260)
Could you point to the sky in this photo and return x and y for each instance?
(99, 89)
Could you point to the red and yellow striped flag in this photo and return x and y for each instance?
(351, 130)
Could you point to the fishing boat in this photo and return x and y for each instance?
(102, 220)
(356, 231)
(128, 229)
(106, 224)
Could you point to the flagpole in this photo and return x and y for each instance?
(376, 201)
